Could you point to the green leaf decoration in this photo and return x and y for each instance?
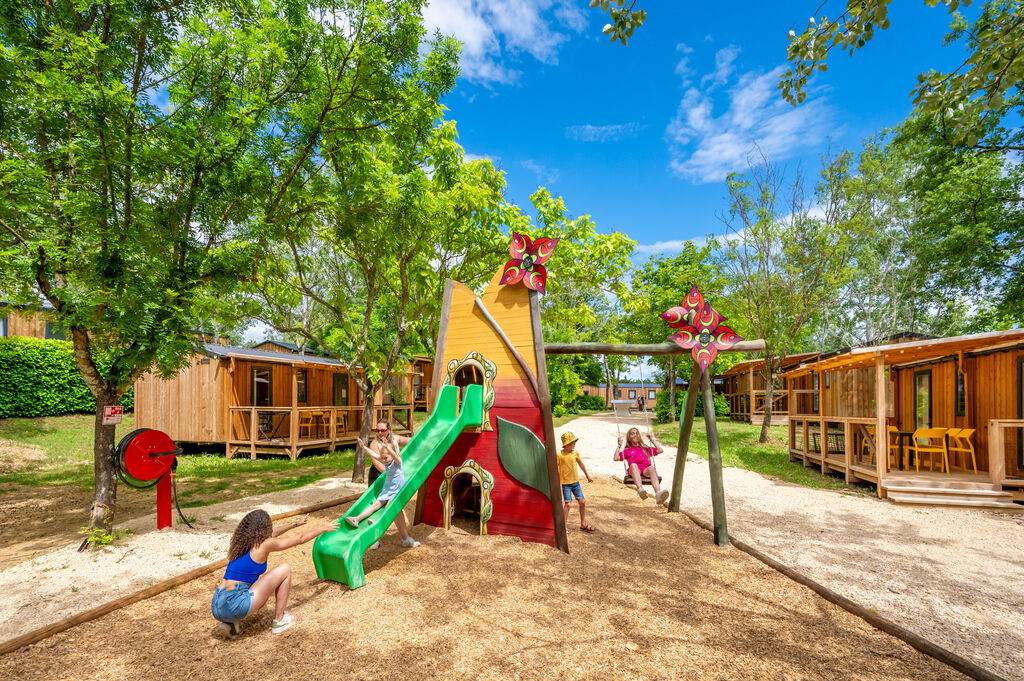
(523, 456)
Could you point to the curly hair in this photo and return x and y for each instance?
(255, 528)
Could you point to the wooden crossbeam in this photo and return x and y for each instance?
(638, 350)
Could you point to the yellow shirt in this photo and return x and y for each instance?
(567, 471)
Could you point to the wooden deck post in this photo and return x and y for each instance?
(806, 442)
(252, 433)
(683, 445)
(848, 441)
(790, 412)
(996, 452)
(293, 420)
(333, 434)
(715, 466)
(753, 398)
(881, 427)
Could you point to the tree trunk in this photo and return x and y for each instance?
(359, 458)
(672, 388)
(769, 396)
(105, 480)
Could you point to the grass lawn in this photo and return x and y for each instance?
(740, 449)
(59, 452)
(565, 418)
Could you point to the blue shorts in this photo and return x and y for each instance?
(570, 491)
(233, 605)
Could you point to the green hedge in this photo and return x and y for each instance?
(590, 402)
(39, 378)
(662, 406)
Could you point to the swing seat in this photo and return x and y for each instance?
(646, 480)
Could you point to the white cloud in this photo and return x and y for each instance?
(544, 174)
(683, 69)
(705, 147)
(673, 246)
(602, 133)
(724, 60)
(492, 31)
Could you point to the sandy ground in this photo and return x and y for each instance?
(646, 597)
(64, 582)
(955, 577)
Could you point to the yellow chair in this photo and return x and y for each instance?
(960, 443)
(934, 443)
(305, 424)
(865, 448)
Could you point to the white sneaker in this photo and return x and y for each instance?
(661, 496)
(642, 493)
(375, 545)
(277, 626)
(410, 543)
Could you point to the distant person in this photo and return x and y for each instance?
(568, 460)
(383, 435)
(641, 404)
(247, 584)
(638, 459)
(387, 457)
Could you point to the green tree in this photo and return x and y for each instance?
(587, 273)
(662, 282)
(131, 146)
(967, 102)
(784, 265)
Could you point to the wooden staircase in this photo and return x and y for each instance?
(957, 490)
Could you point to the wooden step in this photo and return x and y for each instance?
(936, 482)
(947, 491)
(966, 502)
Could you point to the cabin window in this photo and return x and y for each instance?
(815, 383)
(340, 390)
(586, 392)
(54, 331)
(3, 327)
(261, 395)
(618, 393)
(961, 392)
(651, 394)
(300, 382)
(632, 394)
(922, 399)
(828, 377)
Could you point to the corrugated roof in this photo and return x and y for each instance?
(228, 351)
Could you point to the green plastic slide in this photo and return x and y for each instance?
(339, 555)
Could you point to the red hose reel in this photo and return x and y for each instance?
(146, 458)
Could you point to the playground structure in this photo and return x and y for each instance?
(488, 447)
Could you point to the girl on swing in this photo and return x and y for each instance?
(638, 459)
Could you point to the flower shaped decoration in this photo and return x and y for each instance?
(527, 263)
(700, 329)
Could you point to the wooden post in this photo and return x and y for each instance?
(293, 425)
(252, 433)
(823, 412)
(683, 446)
(715, 466)
(753, 398)
(334, 426)
(881, 427)
(848, 441)
(558, 515)
(996, 452)
(790, 412)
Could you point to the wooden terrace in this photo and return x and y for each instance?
(950, 410)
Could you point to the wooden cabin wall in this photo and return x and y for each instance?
(992, 392)
(188, 407)
(850, 393)
(26, 324)
(943, 395)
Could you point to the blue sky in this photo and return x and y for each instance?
(640, 137)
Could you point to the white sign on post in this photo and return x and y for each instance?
(112, 415)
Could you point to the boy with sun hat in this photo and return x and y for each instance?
(568, 459)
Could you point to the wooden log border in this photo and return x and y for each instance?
(933, 650)
(31, 637)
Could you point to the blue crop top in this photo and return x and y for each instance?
(245, 569)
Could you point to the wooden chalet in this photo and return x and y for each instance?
(261, 401)
(949, 411)
(17, 320)
(421, 370)
(745, 389)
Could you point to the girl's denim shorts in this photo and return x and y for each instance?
(233, 605)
